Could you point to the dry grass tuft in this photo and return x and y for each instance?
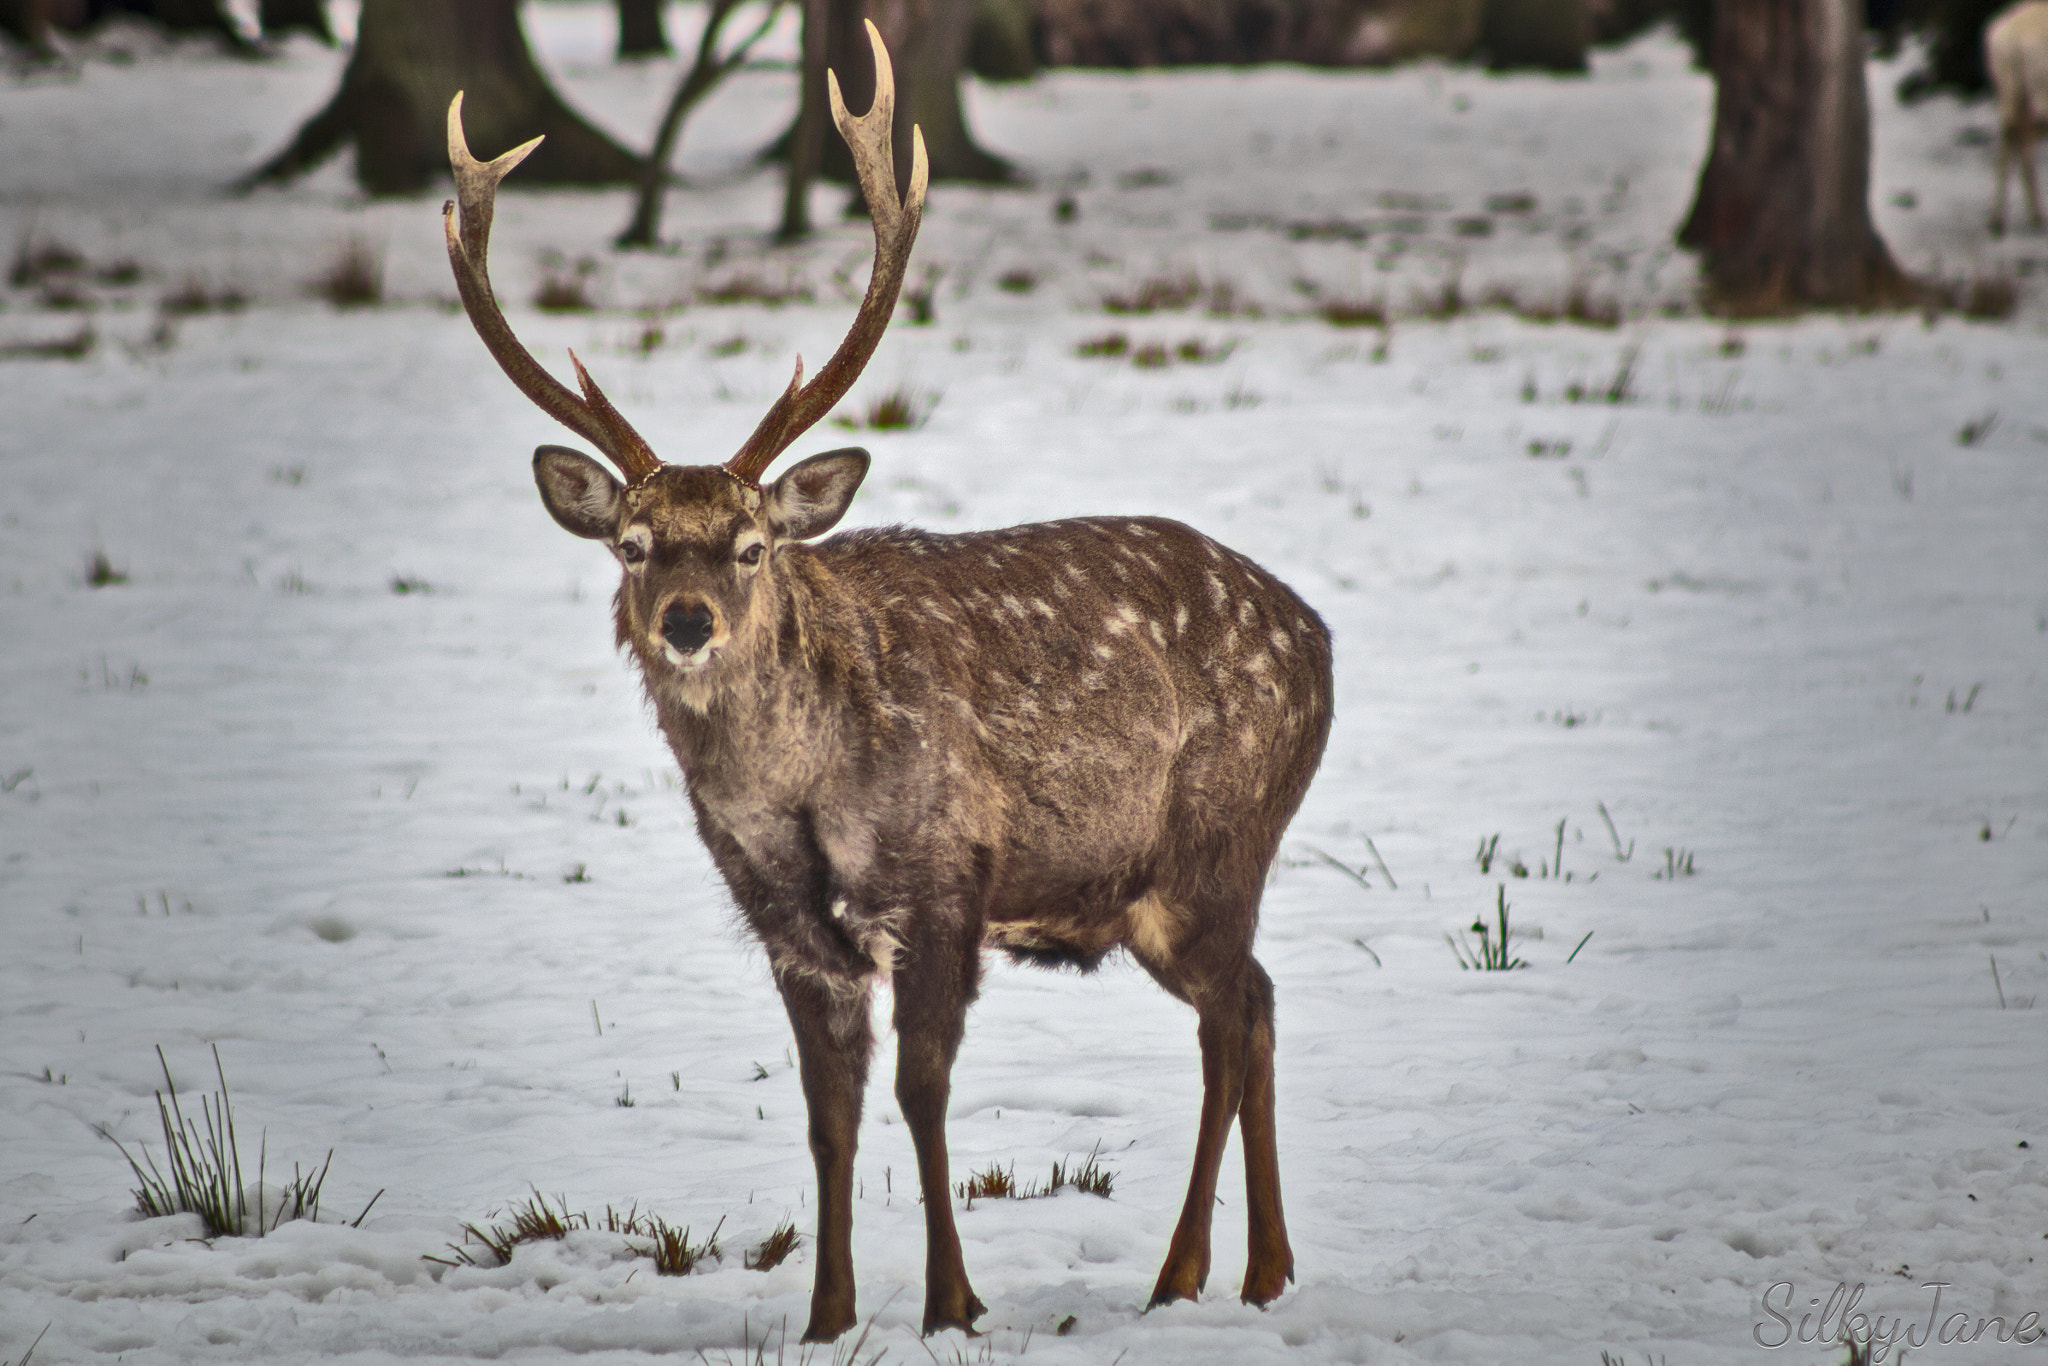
(34, 261)
(1000, 1183)
(1109, 344)
(1354, 312)
(748, 288)
(773, 1250)
(1987, 298)
(77, 346)
(194, 296)
(899, 410)
(1160, 294)
(100, 571)
(355, 278)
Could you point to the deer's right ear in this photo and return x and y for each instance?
(580, 493)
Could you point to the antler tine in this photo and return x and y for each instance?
(469, 239)
(896, 222)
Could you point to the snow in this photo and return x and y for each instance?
(1771, 611)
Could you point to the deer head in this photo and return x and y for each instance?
(696, 543)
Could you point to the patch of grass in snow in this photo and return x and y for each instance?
(902, 409)
(205, 1162)
(746, 287)
(1158, 294)
(354, 278)
(919, 298)
(773, 1250)
(77, 346)
(1677, 864)
(1000, 1183)
(1489, 956)
(100, 571)
(195, 296)
(535, 1220)
(1985, 298)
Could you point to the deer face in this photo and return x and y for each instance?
(696, 545)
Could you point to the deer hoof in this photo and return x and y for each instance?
(938, 1318)
(826, 1327)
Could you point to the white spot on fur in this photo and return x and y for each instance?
(1158, 632)
(1180, 618)
(1245, 611)
(1281, 644)
(1103, 651)
(1218, 594)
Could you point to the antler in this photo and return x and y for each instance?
(591, 416)
(896, 222)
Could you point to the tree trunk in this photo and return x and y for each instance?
(278, 17)
(411, 57)
(1541, 35)
(806, 141)
(27, 22)
(640, 31)
(999, 45)
(927, 42)
(1782, 215)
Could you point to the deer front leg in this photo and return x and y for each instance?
(833, 1040)
(934, 981)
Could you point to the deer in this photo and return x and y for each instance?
(903, 748)
(2016, 55)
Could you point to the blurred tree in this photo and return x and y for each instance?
(1781, 218)
(640, 30)
(927, 41)
(1954, 55)
(999, 40)
(708, 68)
(27, 23)
(1541, 35)
(410, 58)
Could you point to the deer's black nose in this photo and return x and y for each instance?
(686, 628)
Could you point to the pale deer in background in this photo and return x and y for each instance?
(2016, 54)
(1059, 740)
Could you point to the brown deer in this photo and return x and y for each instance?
(2016, 55)
(1057, 740)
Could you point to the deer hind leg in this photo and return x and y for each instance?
(934, 980)
(1232, 996)
(1271, 1264)
(2023, 148)
(833, 1040)
(2005, 143)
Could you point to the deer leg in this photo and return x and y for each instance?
(2004, 169)
(1271, 1264)
(933, 983)
(1223, 1035)
(833, 1040)
(2025, 152)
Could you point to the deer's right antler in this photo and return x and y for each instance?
(896, 222)
(469, 241)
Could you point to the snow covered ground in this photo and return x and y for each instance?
(1782, 610)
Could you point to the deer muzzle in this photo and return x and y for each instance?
(687, 627)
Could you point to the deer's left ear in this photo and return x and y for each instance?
(812, 497)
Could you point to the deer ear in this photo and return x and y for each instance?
(809, 499)
(580, 493)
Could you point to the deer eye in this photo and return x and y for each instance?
(752, 554)
(632, 552)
